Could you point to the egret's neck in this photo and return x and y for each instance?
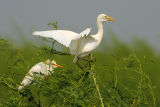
(100, 28)
(49, 67)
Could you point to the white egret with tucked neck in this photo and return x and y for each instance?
(80, 44)
(41, 69)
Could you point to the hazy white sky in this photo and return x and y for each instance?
(140, 17)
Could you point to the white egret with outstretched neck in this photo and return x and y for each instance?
(80, 44)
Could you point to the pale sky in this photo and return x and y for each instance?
(133, 17)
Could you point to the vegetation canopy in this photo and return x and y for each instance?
(123, 75)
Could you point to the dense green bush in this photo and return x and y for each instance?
(123, 76)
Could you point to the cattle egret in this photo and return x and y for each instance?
(80, 44)
(41, 69)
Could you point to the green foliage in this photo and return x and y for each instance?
(122, 76)
(54, 25)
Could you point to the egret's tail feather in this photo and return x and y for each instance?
(75, 59)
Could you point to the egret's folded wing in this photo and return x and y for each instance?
(84, 33)
(62, 36)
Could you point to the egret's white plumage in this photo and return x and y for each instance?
(80, 44)
(41, 69)
(62, 36)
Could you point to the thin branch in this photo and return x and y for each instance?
(95, 82)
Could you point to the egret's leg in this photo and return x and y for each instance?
(79, 64)
(88, 60)
(92, 61)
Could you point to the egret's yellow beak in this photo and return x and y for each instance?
(110, 19)
(59, 66)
